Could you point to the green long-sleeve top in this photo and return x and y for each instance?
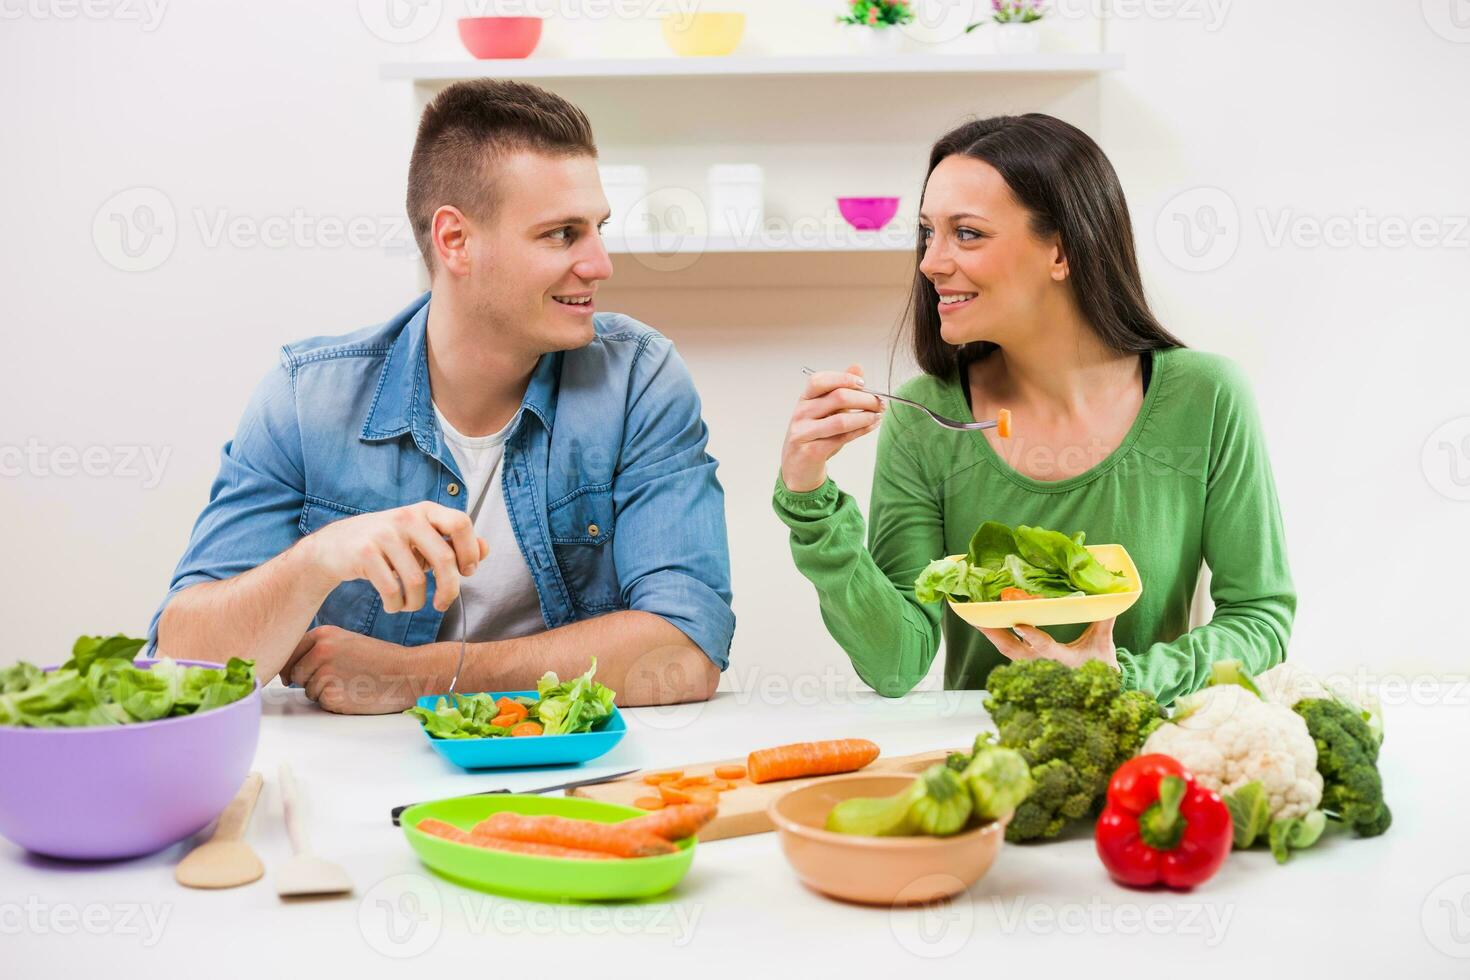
(1191, 482)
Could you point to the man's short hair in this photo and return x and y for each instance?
(467, 129)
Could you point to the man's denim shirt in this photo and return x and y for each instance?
(611, 494)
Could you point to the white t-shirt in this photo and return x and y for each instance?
(501, 596)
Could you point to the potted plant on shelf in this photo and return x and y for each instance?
(878, 22)
(1017, 25)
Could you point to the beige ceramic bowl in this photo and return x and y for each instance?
(876, 870)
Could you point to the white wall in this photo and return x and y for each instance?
(248, 111)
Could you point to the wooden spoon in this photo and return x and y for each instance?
(304, 873)
(225, 860)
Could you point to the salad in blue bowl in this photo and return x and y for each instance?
(559, 723)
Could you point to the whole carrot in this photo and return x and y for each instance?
(538, 850)
(674, 822)
(810, 759)
(448, 831)
(589, 835)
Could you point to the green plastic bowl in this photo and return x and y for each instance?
(529, 876)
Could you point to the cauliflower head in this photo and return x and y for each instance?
(1227, 737)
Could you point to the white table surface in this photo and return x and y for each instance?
(1398, 905)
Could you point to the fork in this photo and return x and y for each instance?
(1002, 422)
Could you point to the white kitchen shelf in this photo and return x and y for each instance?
(701, 245)
(1056, 63)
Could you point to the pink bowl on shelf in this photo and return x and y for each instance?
(500, 37)
(868, 213)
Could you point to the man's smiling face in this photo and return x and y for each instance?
(535, 262)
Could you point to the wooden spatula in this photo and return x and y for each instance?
(305, 873)
(225, 860)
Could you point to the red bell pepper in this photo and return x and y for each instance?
(1159, 827)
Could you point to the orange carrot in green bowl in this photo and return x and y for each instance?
(538, 850)
(589, 835)
(674, 822)
(810, 759)
(448, 831)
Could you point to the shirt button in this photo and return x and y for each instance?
(593, 530)
(453, 489)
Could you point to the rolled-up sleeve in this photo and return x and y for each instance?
(254, 506)
(671, 549)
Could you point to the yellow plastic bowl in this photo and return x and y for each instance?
(1064, 611)
(703, 35)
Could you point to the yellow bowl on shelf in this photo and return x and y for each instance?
(703, 35)
(1063, 611)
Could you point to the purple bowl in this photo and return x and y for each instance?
(868, 213)
(91, 794)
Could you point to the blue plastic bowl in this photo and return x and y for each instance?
(509, 752)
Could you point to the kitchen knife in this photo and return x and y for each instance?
(590, 781)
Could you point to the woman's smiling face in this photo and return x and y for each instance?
(992, 272)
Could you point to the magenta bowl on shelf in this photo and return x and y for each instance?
(500, 37)
(120, 791)
(868, 213)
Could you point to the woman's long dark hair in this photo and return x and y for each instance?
(1059, 175)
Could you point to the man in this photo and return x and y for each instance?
(498, 441)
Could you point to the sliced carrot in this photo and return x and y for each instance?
(505, 721)
(723, 786)
(527, 728)
(730, 772)
(674, 822)
(672, 795)
(506, 706)
(538, 850)
(810, 759)
(588, 835)
(1011, 594)
(704, 797)
(1003, 423)
(689, 781)
(649, 803)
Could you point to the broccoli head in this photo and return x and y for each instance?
(1073, 727)
(1347, 758)
(1055, 798)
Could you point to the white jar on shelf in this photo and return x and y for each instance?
(736, 202)
(1017, 37)
(626, 188)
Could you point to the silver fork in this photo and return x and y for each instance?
(948, 423)
(463, 616)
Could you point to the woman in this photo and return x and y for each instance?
(1027, 296)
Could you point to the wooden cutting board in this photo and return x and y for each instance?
(743, 809)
